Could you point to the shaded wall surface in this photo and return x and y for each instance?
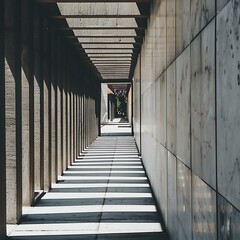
(49, 105)
(187, 118)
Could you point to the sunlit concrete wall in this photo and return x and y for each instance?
(187, 125)
(49, 105)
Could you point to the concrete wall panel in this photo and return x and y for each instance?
(202, 117)
(171, 108)
(228, 93)
(202, 11)
(182, 25)
(172, 221)
(204, 210)
(171, 31)
(203, 105)
(228, 220)
(183, 106)
(184, 202)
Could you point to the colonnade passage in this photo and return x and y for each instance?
(119, 119)
(104, 194)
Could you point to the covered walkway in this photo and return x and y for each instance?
(104, 194)
(68, 68)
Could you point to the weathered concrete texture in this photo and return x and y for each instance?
(172, 221)
(228, 220)
(13, 111)
(53, 108)
(221, 4)
(171, 108)
(204, 210)
(171, 33)
(2, 129)
(27, 102)
(46, 110)
(182, 24)
(202, 11)
(203, 105)
(183, 106)
(161, 173)
(163, 109)
(38, 68)
(202, 157)
(184, 202)
(59, 111)
(159, 37)
(98, 8)
(137, 104)
(228, 93)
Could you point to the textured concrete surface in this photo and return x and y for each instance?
(13, 112)
(104, 194)
(228, 92)
(2, 127)
(203, 141)
(202, 108)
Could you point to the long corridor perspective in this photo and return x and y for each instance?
(120, 119)
(104, 194)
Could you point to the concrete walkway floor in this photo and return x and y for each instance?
(104, 195)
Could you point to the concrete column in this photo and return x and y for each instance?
(64, 110)
(72, 158)
(38, 76)
(77, 124)
(72, 110)
(80, 116)
(59, 107)
(46, 108)
(53, 107)
(81, 148)
(67, 106)
(27, 102)
(74, 124)
(79, 131)
(2, 129)
(13, 110)
(56, 113)
(83, 122)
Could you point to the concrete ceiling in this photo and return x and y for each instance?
(107, 33)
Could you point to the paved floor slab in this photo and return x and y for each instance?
(104, 195)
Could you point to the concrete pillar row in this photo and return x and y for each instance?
(12, 10)
(2, 129)
(46, 106)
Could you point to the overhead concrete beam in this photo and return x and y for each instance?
(91, 1)
(99, 16)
